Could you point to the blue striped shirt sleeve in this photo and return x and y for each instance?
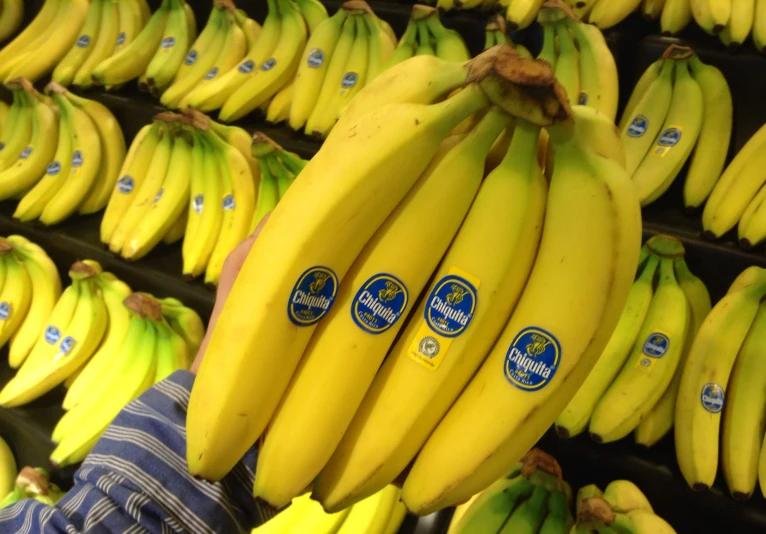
(135, 479)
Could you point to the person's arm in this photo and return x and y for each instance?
(135, 479)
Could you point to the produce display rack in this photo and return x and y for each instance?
(635, 44)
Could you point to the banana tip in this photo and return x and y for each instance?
(700, 486)
(710, 236)
(596, 438)
(563, 432)
(745, 244)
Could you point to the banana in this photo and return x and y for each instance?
(744, 418)
(283, 176)
(599, 83)
(675, 142)
(323, 116)
(40, 24)
(424, 46)
(213, 95)
(205, 214)
(588, 181)
(279, 107)
(568, 64)
(406, 46)
(759, 26)
(709, 158)
(549, 51)
(67, 69)
(382, 45)
(522, 13)
(659, 420)
(313, 68)
(178, 229)
(171, 352)
(351, 346)
(740, 23)
(32, 161)
(15, 296)
(185, 322)
(132, 372)
(11, 17)
(396, 518)
(558, 514)
(268, 195)
(41, 56)
(114, 292)
(8, 469)
(528, 517)
(702, 394)
(491, 508)
(238, 204)
(652, 9)
(642, 86)
(702, 14)
(131, 22)
(132, 61)
(676, 15)
(81, 338)
(103, 46)
(720, 12)
(624, 496)
(147, 191)
(86, 162)
(168, 204)
(17, 127)
(650, 368)
(316, 521)
(371, 514)
(641, 522)
(363, 165)
(752, 225)
(176, 40)
(574, 419)
(607, 14)
(645, 122)
(313, 12)
(275, 72)
(449, 43)
(45, 287)
(402, 399)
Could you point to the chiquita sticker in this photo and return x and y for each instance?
(313, 296)
(315, 58)
(5, 310)
(379, 303)
(712, 397)
(448, 311)
(532, 359)
(638, 126)
(654, 348)
(666, 141)
(52, 335)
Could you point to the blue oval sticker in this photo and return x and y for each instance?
(379, 303)
(532, 359)
(450, 306)
(712, 397)
(313, 296)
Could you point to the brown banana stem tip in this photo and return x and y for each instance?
(524, 88)
(422, 12)
(665, 246)
(357, 5)
(32, 481)
(169, 116)
(82, 271)
(563, 7)
(20, 83)
(678, 52)
(595, 509)
(5, 246)
(497, 23)
(260, 137)
(228, 5)
(144, 305)
(54, 87)
(539, 459)
(198, 119)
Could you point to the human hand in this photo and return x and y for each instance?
(231, 268)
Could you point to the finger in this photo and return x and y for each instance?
(229, 272)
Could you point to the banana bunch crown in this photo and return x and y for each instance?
(33, 483)
(595, 513)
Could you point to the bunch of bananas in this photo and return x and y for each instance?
(621, 508)
(531, 499)
(495, 33)
(38, 48)
(221, 46)
(580, 57)
(32, 483)
(30, 288)
(738, 196)
(382, 513)
(109, 27)
(11, 16)
(361, 255)
(732, 20)
(634, 384)
(66, 168)
(724, 377)
(269, 65)
(347, 51)
(278, 168)
(679, 103)
(602, 13)
(183, 177)
(155, 54)
(8, 469)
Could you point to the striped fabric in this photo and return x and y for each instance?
(135, 480)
